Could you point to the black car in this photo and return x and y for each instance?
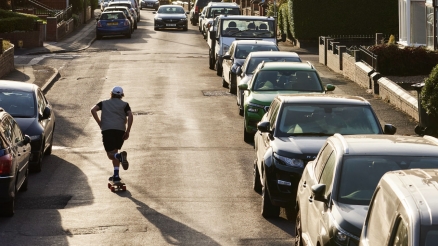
(292, 132)
(336, 189)
(152, 4)
(170, 16)
(33, 113)
(14, 162)
(197, 8)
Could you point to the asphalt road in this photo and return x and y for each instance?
(190, 175)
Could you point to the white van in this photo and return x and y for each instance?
(403, 210)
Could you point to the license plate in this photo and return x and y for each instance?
(150, 5)
(112, 24)
(170, 24)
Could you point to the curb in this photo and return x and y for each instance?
(49, 83)
(64, 50)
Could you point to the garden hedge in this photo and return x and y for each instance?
(11, 21)
(429, 93)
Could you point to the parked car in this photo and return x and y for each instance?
(150, 4)
(114, 23)
(271, 79)
(291, 134)
(245, 71)
(170, 16)
(336, 188)
(15, 151)
(214, 9)
(131, 4)
(239, 50)
(401, 214)
(104, 4)
(197, 8)
(33, 113)
(238, 27)
(128, 12)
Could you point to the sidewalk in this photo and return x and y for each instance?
(44, 76)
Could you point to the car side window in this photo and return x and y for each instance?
(6, 128)
(322, 159)
(41, 102)
(274, 112)
(232, 48)
(17, 134)
(400, 237)
(328, 173)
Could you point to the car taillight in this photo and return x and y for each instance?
(197, 9)
(5, 164)
(99, 24)
(126, 23)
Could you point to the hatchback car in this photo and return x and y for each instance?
(114, 23)
(14, 162)
(127, 3)
(197, 8)
(104, 4)
(336, 188)
(271, 79)
(214, 9)
(170, 16)
(128, 12)
(239, 50)
(292, 132)
(246, 70)
(33, 113)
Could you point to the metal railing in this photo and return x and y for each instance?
(368, 57)
(64, 15)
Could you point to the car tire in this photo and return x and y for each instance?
(185, 29)
(233, 85)
(39, 165)
(135, 26)
(8, 208)
(298, 230)
(268, 209)
(141, 8)
(256, 184)
(218, 68)
(49, 149)
(224, 83)
(128, 35)
(247, 137)
(98, 37)
(210, 61)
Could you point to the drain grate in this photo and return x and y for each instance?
(141, 113)
(216, 93)
(46, 202)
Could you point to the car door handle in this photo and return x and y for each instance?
(304, 184)
(310, 199)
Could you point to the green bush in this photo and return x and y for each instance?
(6, 45)
(77, 6)
(429, 93)
(408, 61)
(94, 4)
(17, 24)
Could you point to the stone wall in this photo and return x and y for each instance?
(333, 61)
(395, 95)
(348, 66)
(7, 62)
(55, 31)
(27, 39)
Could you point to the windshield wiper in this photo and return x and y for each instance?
(310, 134)
(239, 31)
(257, 34)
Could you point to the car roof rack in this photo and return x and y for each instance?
(344, 143)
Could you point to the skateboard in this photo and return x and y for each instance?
(117, 185)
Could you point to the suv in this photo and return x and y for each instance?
(239, 50)
(233, 27)
(401, 213)
(15, 152)
(127, 3)
(336, 188)
(292, 132)
(271, 79)
(197, 8)
(214, 9)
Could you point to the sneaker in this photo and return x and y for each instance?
(124, 160)
(114, 179)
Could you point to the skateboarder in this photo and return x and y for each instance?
(116, 113)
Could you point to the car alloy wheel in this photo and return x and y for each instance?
(233, 86)
(268, 209)
(298, 240)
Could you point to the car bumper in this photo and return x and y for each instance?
(150, 5)
(283, 184)
(6, 188)
(165, 24)
(113, 31)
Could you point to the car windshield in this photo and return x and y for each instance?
(248, 28)
(243, 50)
(212, 12)
(112, 16)
(255, 61)
(361, 174)
(171, 10)
(18, 103)
(301, 119)
(287, 80)
(429, 235)
(123, 10)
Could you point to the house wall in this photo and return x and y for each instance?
(7, 62)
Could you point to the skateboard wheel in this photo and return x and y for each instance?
(124, 187)
(109, 186)
(113, 189)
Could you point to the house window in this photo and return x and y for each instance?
(429, 26)
(417, 25)
(402, 20)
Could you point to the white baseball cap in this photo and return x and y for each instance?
(117, 90)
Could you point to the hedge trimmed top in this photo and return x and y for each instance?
(12, 21)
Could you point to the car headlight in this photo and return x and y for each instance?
(225, 48)
(254, 108)
(184, 19)
(35, 137)
(342, 237)
(291, 162)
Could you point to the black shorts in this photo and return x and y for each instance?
(112, 139)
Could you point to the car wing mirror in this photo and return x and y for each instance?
(318, 192)
(154, 12)
(330, 87)
(46, 113)
(389, 129)
(227, 57)
(243, 87)
(26, 139)
(264, 126)
(239, 71)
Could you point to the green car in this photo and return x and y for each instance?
(271, 79)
